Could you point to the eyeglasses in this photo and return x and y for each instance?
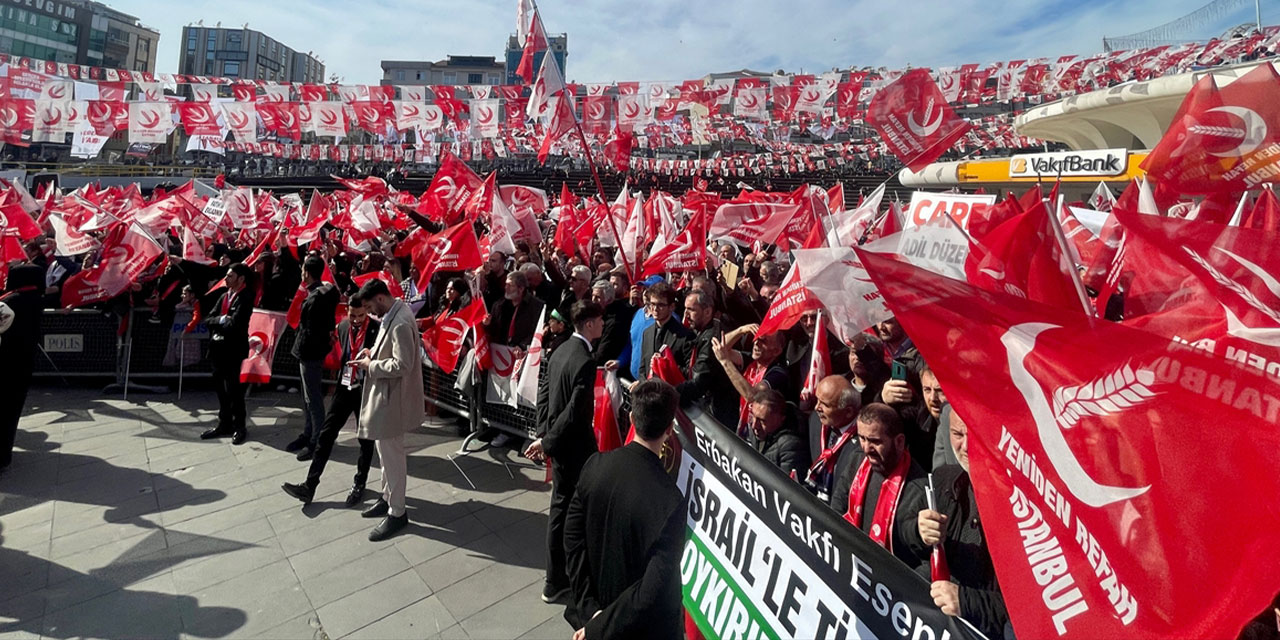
(809, 319)
(657, 305)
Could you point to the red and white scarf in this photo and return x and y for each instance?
(886, 503)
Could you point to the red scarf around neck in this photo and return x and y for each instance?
(886, 503)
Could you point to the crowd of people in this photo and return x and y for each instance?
(862, 440)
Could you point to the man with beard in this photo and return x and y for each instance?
(879, 480)
(973, 592)
(766, 367)
(707, 378)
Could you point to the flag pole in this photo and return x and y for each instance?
(591, 162)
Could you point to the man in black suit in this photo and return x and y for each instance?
(625, 530)
(660, 300)
(707, 380)
(24, 305)
(228, 346)
(566, 405)
(356, 332)
(833, 434)
(514, 319)
(310, 346)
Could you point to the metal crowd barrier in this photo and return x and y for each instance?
(89, 343)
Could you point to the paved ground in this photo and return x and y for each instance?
(117, 521)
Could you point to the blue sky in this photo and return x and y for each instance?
(673, 40)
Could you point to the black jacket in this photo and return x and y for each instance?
(566, 404)
(503, 331)
(344, 337)
(229, 333)
(617, 331)
(824, 483)
(708, 382)
(316, 323)
(909, 498)
(784, 449)
(673, 334)
(623, 536)
(968, 556)
(18, 345)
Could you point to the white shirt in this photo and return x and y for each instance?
(583, 338)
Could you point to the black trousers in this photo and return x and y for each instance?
(12, 397)
(345, 402)
(226, 382)
(564, 480)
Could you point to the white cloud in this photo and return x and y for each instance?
(672, 40)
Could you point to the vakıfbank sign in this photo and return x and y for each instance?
(1099, 163)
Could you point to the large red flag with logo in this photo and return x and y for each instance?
(1222, 139)
(127, 252)
(265, 328)
(1088, 445)
(450, 189)
(604, 422)
(453, 249)
(749, 222)
(1022, 257)
(791, 301)
(914, 120)
(442, 336)
(688, 252)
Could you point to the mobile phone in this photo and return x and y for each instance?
(899, 371)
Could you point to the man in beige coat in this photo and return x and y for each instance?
(392, 400)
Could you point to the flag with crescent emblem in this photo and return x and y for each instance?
(914, 121)
(198, 118)
(149, 122)
(444, 335)
(597, 114)
(453, 249)
(1222, 139)
(265, 328)
(328, 119)
(451, 188)
(127, 252)
(1087, 445)
(484, 118)
(241, 119)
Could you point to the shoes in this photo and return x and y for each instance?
(552, 594)
(299, 491)
(357, 492)
(239, 437)
(500, 440)
(298, 443)
(216, 432)
(389, 526)
(377, 510)
(306, 454)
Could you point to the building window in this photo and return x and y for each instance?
(399, 75)
(494, 79)
(144, 46)
(417, 75)
(475, 78)
(235, 40)
(450, 77)
(231, 69)
(208, 67)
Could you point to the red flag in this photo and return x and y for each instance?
(1222, 140)
(1021, 257)
(617, 151)
(450, 189)
(688, 252)
(562, 122)
(914, 120)
(1265, 214)
(127, 252)
(443, 336)
(791, 301)
(264, 333)
(197, 118)
(532, 37)
(605, 421)
(747, 223)
(1086, 446)
(392, 283)
(597, 112)
(14, 221)
(453, 249)
(663, 366)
